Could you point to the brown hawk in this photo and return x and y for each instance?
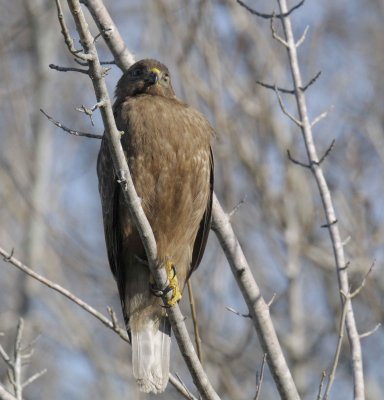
(167, 147)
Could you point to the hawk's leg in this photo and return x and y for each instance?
(173, 285)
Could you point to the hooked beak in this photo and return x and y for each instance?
(154, 76)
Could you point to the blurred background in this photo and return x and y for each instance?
(50, 210)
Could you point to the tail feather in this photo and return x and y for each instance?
(150, 355)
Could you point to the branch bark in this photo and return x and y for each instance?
(257, 306)
(330, 215)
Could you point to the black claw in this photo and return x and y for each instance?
(159, 292)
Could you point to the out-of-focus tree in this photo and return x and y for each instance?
(216, 52)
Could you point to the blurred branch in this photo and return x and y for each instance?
(15, 364)
(133, 201)
(5, 395)
(259, 378)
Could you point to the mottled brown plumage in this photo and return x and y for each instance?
(167, 146)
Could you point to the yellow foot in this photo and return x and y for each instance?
(173, 283)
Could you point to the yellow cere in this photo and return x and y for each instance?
(156, 71)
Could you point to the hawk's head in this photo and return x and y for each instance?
(145, 76)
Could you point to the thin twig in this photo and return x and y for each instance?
(194, 319)
(275, 35)
(33, 378)
(289, 91)
(370, 332)
(67, 69)
(336, 357)
(188, 394)
(358, 290)
(259, 378)
(232, 310)
(71, 131)
(270, 16)
(296, 161)
(67, 37)
(284, 110)
(326, 154)
(323, 376)
(236, 208)
(319, 118)
(302, 38)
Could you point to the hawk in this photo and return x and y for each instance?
(167, 144)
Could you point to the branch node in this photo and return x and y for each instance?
(325, 155)
(275, 35)
(9, 257)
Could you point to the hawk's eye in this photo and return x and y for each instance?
(136, 72)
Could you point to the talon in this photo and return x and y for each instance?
(173, 283)
(173, 286)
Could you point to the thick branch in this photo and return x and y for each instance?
(257, 307)
(123, 57)
(342, 275)
(134, 203)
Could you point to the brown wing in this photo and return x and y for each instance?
(205, 226)
(108, 189)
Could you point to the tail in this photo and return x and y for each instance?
(150, 355)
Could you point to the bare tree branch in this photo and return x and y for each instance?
(306, 129)
(15, 365)
(257, 306)
(194, 320)
(123, 57)
(71, 131)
